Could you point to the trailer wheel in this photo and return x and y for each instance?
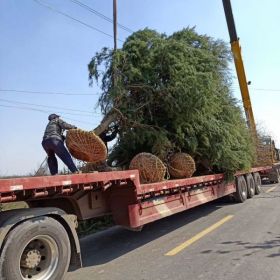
(250, 185)
(241, 189)
(258, 182)
(37, 249)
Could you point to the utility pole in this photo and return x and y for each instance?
(114, 75)
(115, 23)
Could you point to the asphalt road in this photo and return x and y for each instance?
(219, 240)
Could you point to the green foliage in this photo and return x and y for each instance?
(174, 95)
(94, 225)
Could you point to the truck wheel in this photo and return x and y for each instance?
(258, 182)
(273, 176)
(241, 189)
(250, 185)
(37, 249)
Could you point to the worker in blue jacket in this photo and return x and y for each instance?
(53, 144)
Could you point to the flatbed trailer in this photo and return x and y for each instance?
(41, 241)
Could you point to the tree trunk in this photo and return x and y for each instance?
(107, 120)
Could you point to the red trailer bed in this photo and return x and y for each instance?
(118, 193)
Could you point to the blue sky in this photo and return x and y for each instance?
(44, 51)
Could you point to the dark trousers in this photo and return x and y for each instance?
(53, 147)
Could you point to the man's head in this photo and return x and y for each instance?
(53, 116)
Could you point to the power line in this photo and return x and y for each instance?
(258, 89)
(55, 107)
(94, 28)
(44, 111)
(265, 89)
(100, 15)
(39, 110)
(70, 17)
(94, 94)
(70, 119)
(45, 92)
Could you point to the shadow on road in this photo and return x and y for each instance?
(112, 243)
(247, 249)
(264, 195)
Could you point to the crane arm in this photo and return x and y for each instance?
(236, 50)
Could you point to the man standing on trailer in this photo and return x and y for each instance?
(53, 144)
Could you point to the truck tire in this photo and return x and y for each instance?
(37, 249)
(250, 185)
(273, 175)
(258, 182)
(241, 189)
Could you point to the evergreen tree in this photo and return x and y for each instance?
(172, 93)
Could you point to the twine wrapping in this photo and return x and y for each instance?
(85, 145)
(151, 168)
(181, 165)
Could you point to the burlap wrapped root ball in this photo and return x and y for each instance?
(181, 165)
(151, 168)
(85, 145)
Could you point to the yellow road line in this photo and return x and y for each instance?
(195, 238)
(271, 189)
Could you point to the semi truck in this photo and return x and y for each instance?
(41, 242)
